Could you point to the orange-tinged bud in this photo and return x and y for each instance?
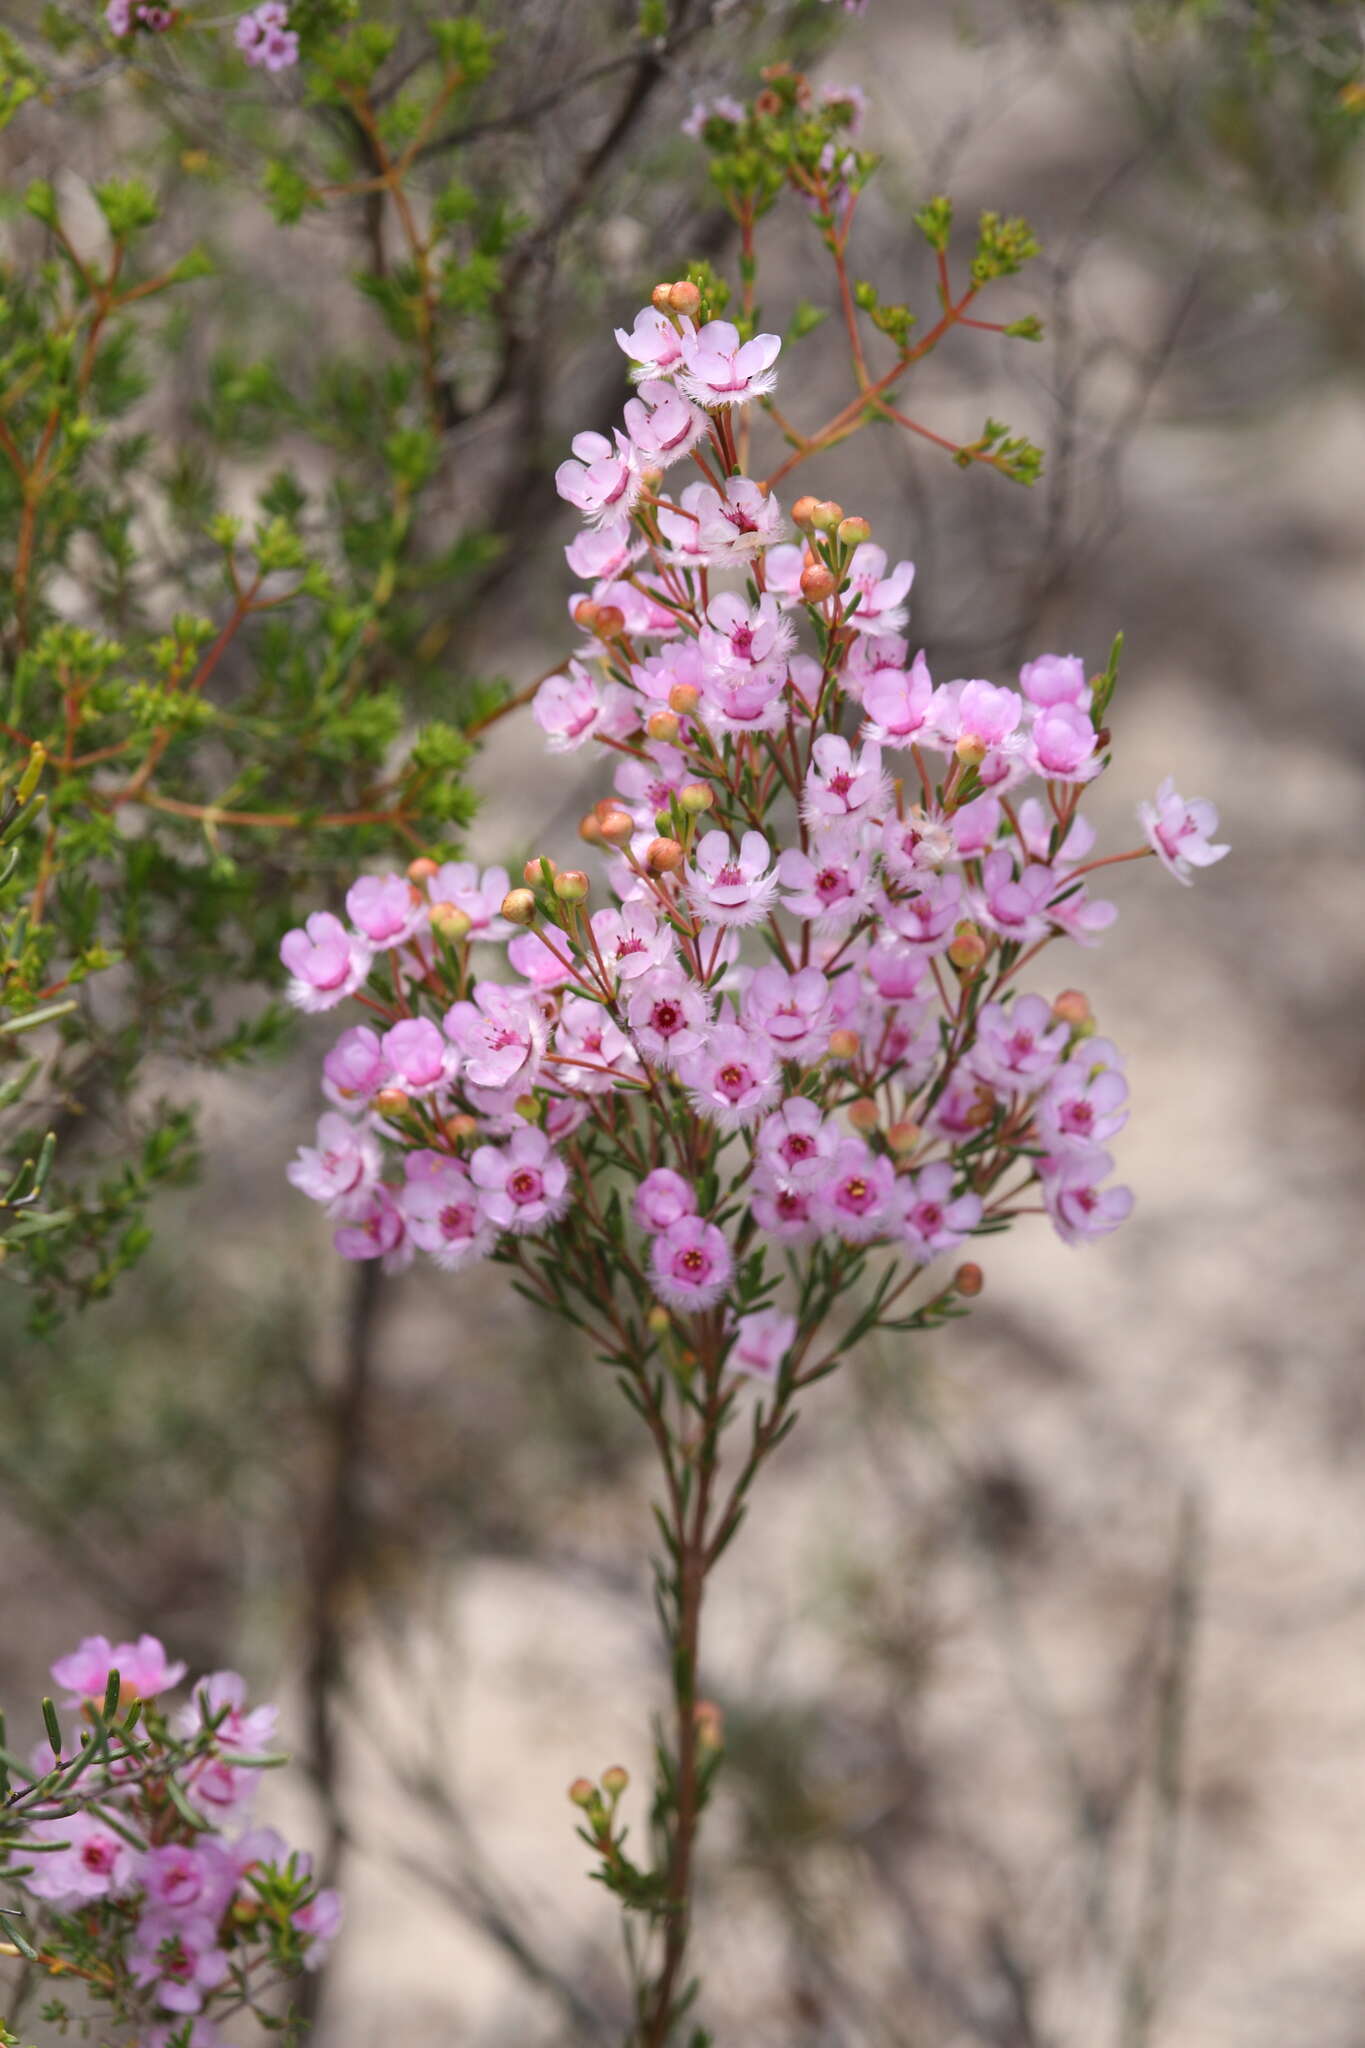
(818, 583)
(826, 515)
(618, 828)
(529, 1108)
(969, 1279)
(571, 885)
(768, 102)
(664, 856)
(519, 906)
(422, 869)
(803, 511)
(615, 1780)
(460, 1128)
(590, 830)
(582, 1791)
(968, 948)
(710, 1723)
(843, 1044)
(659, 297)
(685, 298)
(1073, 1007)
(450, 921)
(663, 725)
(904, 1135)
(391, 1102)
(684, 699)
(852, 532)
(696, 797)
(610, 622)
(586, 614)
(659, 1321)
(534, 873)
(970, 752)
(864, 1114)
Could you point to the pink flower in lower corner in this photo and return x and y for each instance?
(1179, 832)
(762, 1340)
(522, 1185)
(143, 1667)
(177, 1958)
(690, 1263)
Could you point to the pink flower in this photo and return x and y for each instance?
(143, 1669)
(592, 1050)
(829, 884)
(690, 1264)
(1016, 906)
(668, 1015)
(708, 527)
(265, 38)
(1061, 745)
(522, 1185)
(326, 964)
(118, 17)
(1055, 679)
(571, 708)
(1018, 1047)
(341, 1171)
(857, 1193)
(654, 344)
(545, 965)
(319, 1921)
(441, 1208)
(732, 1078)
(740, 637)
(180, 1877)
(1083, 1104)
(94, 1864)
(1080, 1208)
(662, 1198)
(782, 567)
(964, 1109)
(478, 894)
(881, 607)
(787, 1213)
(355, 1066)
(647, 787)
(926, 919)
(895, 967)
(745, 700)
(1178, 832)
(934, 1221)
(631, 942)
(662, 425)
(976, 825)
(385, 909)
(979, 714)
(918, 843)
(720, 369)
(599, 553)
(796, 1144)
(603, 481)
(219, 1702)
(500, 1036)
(792, 1009)
(843, 787)
(177, 1958)
(898, 705)
(729, 888)
(376, 1232)
(417, 1053)
(762, 1339)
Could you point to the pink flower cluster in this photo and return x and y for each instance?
(265, 38)
(797, 1022)
(182, 1903)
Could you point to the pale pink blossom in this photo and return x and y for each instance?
(441, 1208)
(630, 943)
(796, 1144)
(500, 1036)
(177, 1958)
(743, 637)
(732, 1077)
(926, 918)
(542, 960)
(786, 1213)
(933, 1219)
(720, 369)
(183, 1877)
(571, 708)
(708, 526)
(326, 963)
(745, 700)
(1018, 1046)
(919, 843)
(95, 1863)
(663, 426)
(654, 344)
(830, 884)
(843, 787)
(690, 1264)
(385, 909)
(355, 1067)
(648, 787)
(219, 1702)
(726, 887)
(895, 967)
(1061, 745)
(376, 1232)
(266, 41)
(668, 1016)
(857, 1192)
(342, 1170)
(1055, 679)
(420, 1057)
(478, 893)
(1080, 1208)
(1016, 906)
(143, 1667)
(662, 1198)
(522, 1185)
(319, 1920)
(1084, 1101)
(592, 1052)
(600, 553)
(898, 703)
(791, 1007)
(1179, 832)
(881, 598)
(602, 479)
(761, 1341)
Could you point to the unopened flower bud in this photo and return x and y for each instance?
(534, 870)
(519, 906)
(586, 614)
(818, 583)
(650, 480)
(658, 1322)
(710, 1725)
(685, 298)
(662, 725)
(664, 856)
(421, 869)
(590, 830)
(618, 827)
(843, 1044)
(969, 1280)
(659, 297)
(768, 102)
(615, 1780)
(904, 1135)
(1073, 1007)
(826, 516)
(450, 921)
(696, 797)
(582, 1792)
(803, 511)
(968, 948)
(571, 885)
(529, 1108)
(852, 532)
(391, 1102)
(684, 699)
(460, 1128)
(864, 1114)
(970, 752)
(610, 622)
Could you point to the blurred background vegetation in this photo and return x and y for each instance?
(1042, 1662)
